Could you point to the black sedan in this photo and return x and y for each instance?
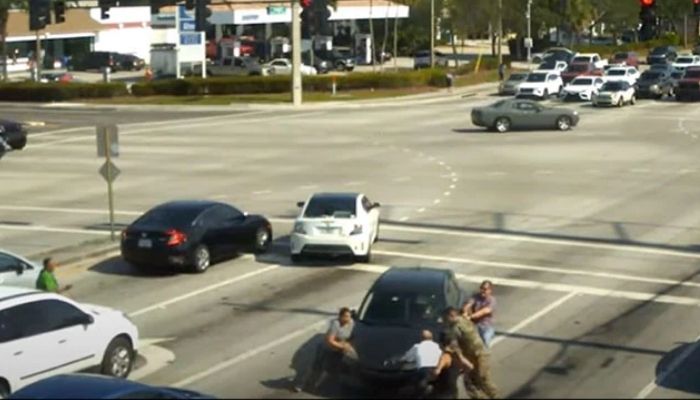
(88, 386)
(505, 115)
(401, 303)
(654, 84)
(193, 234)
(13, 133)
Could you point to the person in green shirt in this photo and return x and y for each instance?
(47, 280)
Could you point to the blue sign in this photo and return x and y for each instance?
(184, 15)
(187, 26)
(189, 39)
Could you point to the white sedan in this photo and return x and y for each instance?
(627, 74)
(335, 224)
(615, 93)
(16, 270)
(45, 334)
(582, 88)
(283, 66)
(684, 61)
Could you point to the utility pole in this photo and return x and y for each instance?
(432, 33)
(37, 57)
(296, 54)
(528, 44)
(499, 41)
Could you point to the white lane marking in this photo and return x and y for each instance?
(42, 228)
(441, 163)
(553, 242)
(259, 192)
(527, 267)
(431, 158)
(527, 321)
(422, 209)
(68, 130)
(446, 194)
(174, 300)
(436, 201)
(403, 219)
(496, 173)
(249, 354)
(455, 180)
(671, 368)
(453, 186)
(554, 287)
(447, 167)
(388, 226)
(685, 171)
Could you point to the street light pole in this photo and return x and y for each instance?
(296, 54)
(499, 42)
(529, 34)
(432, 33)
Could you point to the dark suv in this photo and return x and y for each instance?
(654, 84)
(100, 59)
(689, 85)
(662, 55)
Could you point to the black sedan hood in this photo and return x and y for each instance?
(378, 343)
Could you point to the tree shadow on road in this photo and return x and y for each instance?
(479, 131)
(679, 369)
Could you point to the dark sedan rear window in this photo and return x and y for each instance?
(331, 207)
(168, 217)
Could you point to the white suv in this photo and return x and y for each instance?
(334, 224)
(540, 85)
(44, 334)
(17, 271)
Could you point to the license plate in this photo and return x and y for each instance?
(145, 243)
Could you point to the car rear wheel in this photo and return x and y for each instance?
(263, 238)
(201, 259)
(297, 258)
(633, 100)
(502, 125)
(365, 259)
(118, 358)
(4, 389)
(564, 123)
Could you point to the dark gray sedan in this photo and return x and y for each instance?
(505, 115)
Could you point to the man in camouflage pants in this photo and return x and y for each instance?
(477, 381)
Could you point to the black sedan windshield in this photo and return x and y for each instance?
(650, 76)
(331, 207)
(169, 217)
(401, 308)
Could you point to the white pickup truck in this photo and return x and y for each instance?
(590, 58)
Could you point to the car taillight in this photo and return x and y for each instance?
(176, 237)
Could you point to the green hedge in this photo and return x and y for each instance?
(668, 40)
(32, 91)
(281, 84)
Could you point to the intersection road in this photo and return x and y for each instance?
(590, 236)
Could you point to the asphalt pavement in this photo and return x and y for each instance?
(590, 236)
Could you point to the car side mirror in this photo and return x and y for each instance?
(300, 204)
(19, 269)
(87, 319)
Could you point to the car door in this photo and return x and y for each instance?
(48, 340)
(15, 272)
(214, 232)
(525, 115)
(239, 236)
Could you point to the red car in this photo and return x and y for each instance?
(576, 69)
(628, 58)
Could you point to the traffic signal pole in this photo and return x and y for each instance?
(296, 54)
(37, 57)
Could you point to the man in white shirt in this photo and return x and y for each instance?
(425, 355)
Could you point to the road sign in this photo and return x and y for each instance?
(276, 10)
(109, 171)
(107, 137)
(190, 39)
(187, 26)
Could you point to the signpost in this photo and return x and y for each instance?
(108, 147)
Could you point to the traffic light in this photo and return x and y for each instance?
(696, 8)
(39, 14)
(647, 15)
(201, 14)
(306, 3)
(189, 4)
(321, 14)
(105, 5)
(156, 5)
(647, 3)
(59, 11)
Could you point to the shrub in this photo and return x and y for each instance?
(33, 91)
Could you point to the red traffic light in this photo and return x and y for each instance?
(696, 2)
(649, 3)
(306, 3)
